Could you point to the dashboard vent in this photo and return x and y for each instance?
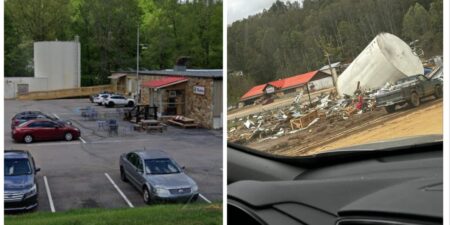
(240, 215)
(362, 221)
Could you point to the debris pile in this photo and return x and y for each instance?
(298, 117)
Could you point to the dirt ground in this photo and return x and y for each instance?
(248, 110)
(421, 122)
(364, 128)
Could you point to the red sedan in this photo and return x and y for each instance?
(44, 130)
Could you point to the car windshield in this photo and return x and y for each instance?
(161, 166)
(17, 167)
(302, 82)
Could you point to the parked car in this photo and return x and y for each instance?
(157, 176)
(120, 100)
(409, 90)
(92, 97)
(44, 130)
(28, 115)
(21, 189)
(100, 98)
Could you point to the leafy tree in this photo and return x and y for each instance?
(416, 22)
(107, 30)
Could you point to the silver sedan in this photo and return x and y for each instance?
(157, 176)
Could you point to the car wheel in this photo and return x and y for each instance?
(194, 199)
(390, 108)
(110, 104)
(123, 176)
(415, 100)
(99, 103)
(68, 136)
(438, 91)
(147, 197)
(130, 104)
(28, 138)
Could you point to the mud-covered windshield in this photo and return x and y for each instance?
(312, 76)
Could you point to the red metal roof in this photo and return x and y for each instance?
(277, 83)
(298, 79)
(164, 82)
(288, 82)
(254, 91)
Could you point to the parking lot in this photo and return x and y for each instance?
(85, 173)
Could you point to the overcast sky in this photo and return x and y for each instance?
(239, 9)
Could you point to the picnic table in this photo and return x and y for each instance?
(150, 125)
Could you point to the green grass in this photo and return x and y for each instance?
(157, 214)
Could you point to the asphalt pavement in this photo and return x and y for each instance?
(85, 173)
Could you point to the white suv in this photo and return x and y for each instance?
(100, 97)
(114, 100)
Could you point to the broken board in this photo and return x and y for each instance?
(303, 121)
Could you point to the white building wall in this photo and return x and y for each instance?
(59, 61)
(34, 84)
(323, 83)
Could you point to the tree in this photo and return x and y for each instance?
(416, 22)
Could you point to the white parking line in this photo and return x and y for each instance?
(204, 198)
(120, 192)
(82, 140)
(48, 144)
(49, 194)
(57, 117)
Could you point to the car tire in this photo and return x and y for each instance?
(123, 176)
(415, 100)
(68, 136)
(146, 196)
(390, 108)
(194, 199)
(28, 138)
(438, 91)
(130, 104)
(99, 103)
(111, 104)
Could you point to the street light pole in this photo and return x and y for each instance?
(331, 70)
(137, 67)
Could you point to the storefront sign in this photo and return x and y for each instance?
(200, 90)
(270, 89)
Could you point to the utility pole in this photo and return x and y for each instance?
(137, 67)
(331, 70)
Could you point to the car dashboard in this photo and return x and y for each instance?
(404, 188)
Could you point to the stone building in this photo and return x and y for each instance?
(194, 93)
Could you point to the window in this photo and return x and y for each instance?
(135, 160)
(17, 167)
(35, 124)
(161, 166)
(130, 158)
(48, 124)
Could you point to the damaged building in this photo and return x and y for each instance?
(311, 81)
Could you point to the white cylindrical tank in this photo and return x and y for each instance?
(59, 61)
(386, 59)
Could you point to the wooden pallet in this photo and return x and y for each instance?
(181, 124)
(304, 121)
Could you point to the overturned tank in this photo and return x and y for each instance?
(386, 59)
